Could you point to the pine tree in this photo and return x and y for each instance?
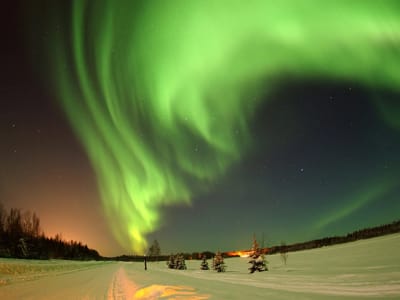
(218, 263)
(257, 261)
(171, 262)
(180, 262)
(204, 264)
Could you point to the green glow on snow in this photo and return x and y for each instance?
(161, 93)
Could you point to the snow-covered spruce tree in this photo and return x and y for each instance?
(171, 262)
(180, 262)
(218, 263)
(257, 259)
(204, 263)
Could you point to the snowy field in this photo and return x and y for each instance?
(362, 269)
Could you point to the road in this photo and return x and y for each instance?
(106, 281)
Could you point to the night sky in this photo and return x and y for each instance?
(201, 123)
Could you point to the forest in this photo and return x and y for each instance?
(21, 236)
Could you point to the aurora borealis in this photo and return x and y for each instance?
(243, 116)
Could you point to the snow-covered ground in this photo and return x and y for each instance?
(363, 269)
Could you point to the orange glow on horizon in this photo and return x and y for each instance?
(244, 253)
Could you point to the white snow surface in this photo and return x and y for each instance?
(363, 269)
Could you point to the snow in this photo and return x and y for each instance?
(363, 269)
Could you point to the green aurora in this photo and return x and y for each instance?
(146, 86)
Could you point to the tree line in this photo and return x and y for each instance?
(366, 233)
(22, 237)
(163, 257)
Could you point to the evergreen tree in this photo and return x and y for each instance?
(257, 261)
(204, 263)
(218, 263)
(176, 262)
(171, 262)
(180, 262)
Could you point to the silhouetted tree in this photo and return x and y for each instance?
(3, 246)
(3, 215)
(154, 250)
(14, 223)
(21, 236)
(14, 232)
(30, 225)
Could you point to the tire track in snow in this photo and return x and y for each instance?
(121, 288)
(306, 284)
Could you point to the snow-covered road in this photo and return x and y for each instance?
(87, 283)
(363, 269)
(106, 280)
